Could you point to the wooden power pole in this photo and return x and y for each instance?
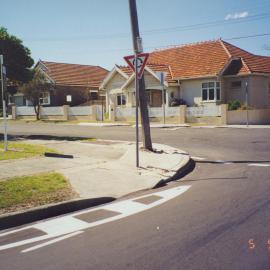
(146, 134)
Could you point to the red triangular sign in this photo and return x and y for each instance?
(141, 60)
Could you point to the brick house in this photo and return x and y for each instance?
(81, 82)
(201, 74)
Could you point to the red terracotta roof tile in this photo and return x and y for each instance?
(74, 74)
(154, 67)
(207, 59)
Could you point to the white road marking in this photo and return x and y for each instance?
(62, 225)
(259, 164)
(69, 224)
(52, 241)
(198, 158)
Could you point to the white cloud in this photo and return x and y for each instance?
(236, 15)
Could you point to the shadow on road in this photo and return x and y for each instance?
(232, 161)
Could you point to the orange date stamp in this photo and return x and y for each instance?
(252, 244)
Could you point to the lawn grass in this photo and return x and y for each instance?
(22, 150)
(30, 191)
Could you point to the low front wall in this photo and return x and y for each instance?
(210, 120)
(259, 117)
(60, 113)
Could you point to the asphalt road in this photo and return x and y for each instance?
(221, 222)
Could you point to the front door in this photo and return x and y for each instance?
(156, 98)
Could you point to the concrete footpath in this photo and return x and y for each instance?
(102, 168)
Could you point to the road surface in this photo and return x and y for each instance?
(221, 221)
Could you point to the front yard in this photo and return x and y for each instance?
(22, 150)
(19, 193)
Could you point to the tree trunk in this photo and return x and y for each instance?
(37, 110)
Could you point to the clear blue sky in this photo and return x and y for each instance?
(97, 32)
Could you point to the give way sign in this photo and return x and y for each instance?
(141, 62)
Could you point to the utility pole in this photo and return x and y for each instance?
(137, 45)
(3, 73)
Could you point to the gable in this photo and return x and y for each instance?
(116, 81)
(151, 81)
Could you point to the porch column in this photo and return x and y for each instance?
(224, 110)
(112, 112)
(167, 98)
(182, 114)
(13, 112)
(65, 112)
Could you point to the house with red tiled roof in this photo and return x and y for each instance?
(79, 82)
(199, 74)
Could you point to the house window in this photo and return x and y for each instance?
(121, 100)
(44, 98)
(93, 94)
(211, 91)
(236, 84)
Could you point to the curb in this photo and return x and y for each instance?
(183, 171)
(48, 211)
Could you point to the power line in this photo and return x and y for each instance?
(162, 30)
(250, 36)
(178, 45)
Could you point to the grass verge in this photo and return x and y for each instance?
(22, 150)
(25, 192)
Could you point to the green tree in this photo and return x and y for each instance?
(17, 59)
(33, 90)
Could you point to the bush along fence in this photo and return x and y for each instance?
(60, 113)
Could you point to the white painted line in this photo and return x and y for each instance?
(25, 242)
(52, 241)
(198, 158)
(68, 224)
(62, 225)
(259, 165)
(126, 207)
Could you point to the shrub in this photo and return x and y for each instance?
(234, 105)
(177, 102)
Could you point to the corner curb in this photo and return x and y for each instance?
(48, 211)
(183, 171)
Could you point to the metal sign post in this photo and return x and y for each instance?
(162, 75)
(247, 120)
(137, 111)
(3, 73)
(137, 63)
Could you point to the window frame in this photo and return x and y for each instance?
(211, 86)
(121, 100)
(42, 98)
